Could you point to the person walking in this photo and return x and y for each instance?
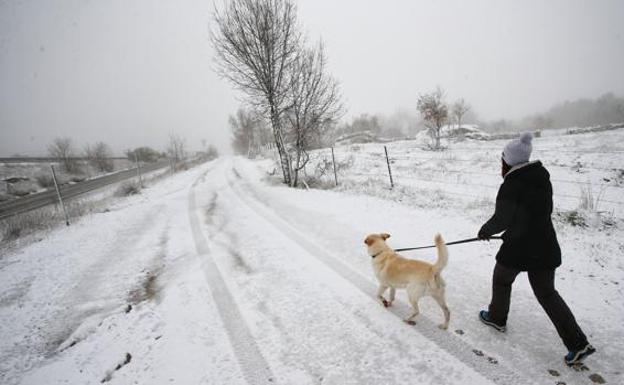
(523, 211)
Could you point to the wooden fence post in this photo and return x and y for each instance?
(334, 164)
(389, 170)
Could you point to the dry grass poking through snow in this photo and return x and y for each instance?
(21, 225)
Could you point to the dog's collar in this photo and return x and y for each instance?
(374, 255)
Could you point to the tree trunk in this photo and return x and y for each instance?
(281, 147)
(296, 170)
(437, 138)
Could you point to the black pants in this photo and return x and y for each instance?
(543, 285)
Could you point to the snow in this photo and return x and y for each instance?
(214, 276)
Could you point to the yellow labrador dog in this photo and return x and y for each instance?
(417, 277)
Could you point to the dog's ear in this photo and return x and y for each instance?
(384, 236)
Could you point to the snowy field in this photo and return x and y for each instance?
(219, 276)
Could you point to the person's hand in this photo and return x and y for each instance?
(483, 235)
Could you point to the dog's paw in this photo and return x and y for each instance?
(410, 322)
(443, 326)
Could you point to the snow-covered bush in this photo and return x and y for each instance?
(323, 175)
(572, 217)
(45, 180)
(127, 189)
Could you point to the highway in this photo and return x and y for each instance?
(45, 198)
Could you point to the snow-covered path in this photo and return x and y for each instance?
(232, 281)
(312, 322)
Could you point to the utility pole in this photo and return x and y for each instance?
(60, 197)
(138, 167)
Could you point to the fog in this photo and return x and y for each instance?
(129, 73)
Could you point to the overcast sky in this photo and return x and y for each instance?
(131, 72)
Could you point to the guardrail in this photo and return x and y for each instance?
(45, 198)
(40, 159)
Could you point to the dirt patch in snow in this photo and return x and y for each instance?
(239, 262)
(210, 209)
(121, 364)
(147, 289)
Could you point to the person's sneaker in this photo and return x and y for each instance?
(484, 316)
(577, 356)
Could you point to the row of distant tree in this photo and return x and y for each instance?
(584, 112)
(605, 109)
(100, 156)
(251, 130)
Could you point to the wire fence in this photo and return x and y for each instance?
(581, 183)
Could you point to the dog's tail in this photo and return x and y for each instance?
(442, 254)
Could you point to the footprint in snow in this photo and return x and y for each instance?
(597, 379)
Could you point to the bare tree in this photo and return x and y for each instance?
(212, 152)
(245, 126)
(99, 156)
(434, 112)
(362, 123)
(460, 108)
(143, 154)
(256, 42)
(63, 149)
(314, 106)
(176, 149)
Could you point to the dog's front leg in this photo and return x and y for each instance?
(380, 292)
(392, 295)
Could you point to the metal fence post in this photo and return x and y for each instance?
(334, 164)
(58, 192)
(136, 161)
(389, 170)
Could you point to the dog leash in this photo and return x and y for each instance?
(447, 243)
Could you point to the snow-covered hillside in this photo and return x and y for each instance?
(217, 276)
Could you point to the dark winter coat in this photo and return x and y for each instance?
(523, 211)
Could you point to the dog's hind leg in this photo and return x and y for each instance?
(414, 293)
(439, 298)
(380, 292)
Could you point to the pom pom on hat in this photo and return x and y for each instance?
(526, 138)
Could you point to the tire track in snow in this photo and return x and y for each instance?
(254, 366)
(454, 346)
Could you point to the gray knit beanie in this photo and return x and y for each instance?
(518, 150)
